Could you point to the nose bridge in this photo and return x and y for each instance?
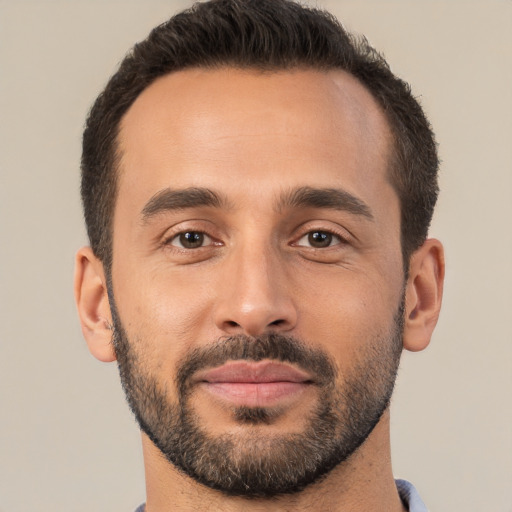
(255, 298)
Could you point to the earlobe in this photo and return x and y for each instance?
(424, 292)
(93, 306)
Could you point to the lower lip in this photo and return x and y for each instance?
(256, 394)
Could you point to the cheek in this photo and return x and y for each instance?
(166, 313)
(347, 312)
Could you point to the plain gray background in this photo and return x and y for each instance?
(67, 440)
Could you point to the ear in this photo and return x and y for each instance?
(93, 306)
(424, 292)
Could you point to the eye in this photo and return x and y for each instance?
(319, 239)
(190, 240)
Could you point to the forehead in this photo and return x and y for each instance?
(198, 127)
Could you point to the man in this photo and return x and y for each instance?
(258, 188)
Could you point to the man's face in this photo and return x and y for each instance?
(257, 273)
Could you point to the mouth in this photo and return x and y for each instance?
(254, 384)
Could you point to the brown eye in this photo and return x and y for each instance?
(190, 240)
(319, 239)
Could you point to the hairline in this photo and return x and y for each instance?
(116, 153)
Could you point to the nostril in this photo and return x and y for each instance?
(277, 323)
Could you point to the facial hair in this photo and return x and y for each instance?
(255, 465)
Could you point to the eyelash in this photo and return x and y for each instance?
(176, 236)
(331, 234)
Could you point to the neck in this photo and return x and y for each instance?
(362, 483)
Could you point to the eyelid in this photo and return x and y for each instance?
(189, 226)
(175, 237)
(344, 236)
(340, 239)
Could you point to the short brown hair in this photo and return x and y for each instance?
(268, 35)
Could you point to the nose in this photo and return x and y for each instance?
(255, 295)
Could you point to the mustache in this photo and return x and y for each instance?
(273, 346)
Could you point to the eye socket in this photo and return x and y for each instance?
(319, 239)
(190, 240)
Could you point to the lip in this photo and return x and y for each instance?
(253, 372)
(254, 384)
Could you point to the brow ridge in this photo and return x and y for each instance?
(180, 199)
(303, 197)
(331, 198)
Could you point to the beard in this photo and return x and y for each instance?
(255, 464)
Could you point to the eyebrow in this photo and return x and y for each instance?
(303, 197)
(330, 198)
(173, 200)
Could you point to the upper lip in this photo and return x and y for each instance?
(252, 372)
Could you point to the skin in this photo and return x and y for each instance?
(253, 138)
